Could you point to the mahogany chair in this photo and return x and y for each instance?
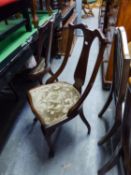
(126, 132)
(120, 77)
(58, 102)
(43, 63)
(118, 93)
(123, 148)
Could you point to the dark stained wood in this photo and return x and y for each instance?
(33, 11)
(79, 78)
(63, 34)
(126, 132)
(123, 148)
(120, 78)
(40, 43)
(121, 66)
(118, 13)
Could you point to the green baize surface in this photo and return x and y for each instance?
(19, 37)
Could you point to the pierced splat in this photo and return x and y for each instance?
(81, 69)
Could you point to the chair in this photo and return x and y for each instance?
(126, 132)
(120, 76)
(11, 7)
(123, 148)
(43, 64)
(118, 92)
(58, 102)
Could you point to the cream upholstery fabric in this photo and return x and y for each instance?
(39, 68)
(53, 101)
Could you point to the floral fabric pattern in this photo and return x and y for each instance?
(53, 101)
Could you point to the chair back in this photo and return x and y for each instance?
(121, 64)
(41, 41)
(81, 68)
(121, 68)
(82, 65)
(126, 133)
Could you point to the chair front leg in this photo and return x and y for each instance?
(83, 118)
(110, 133)
(33, 11)
(48, 7)
(110, 97)
(26, 16)
(48, 134)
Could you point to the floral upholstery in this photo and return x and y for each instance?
(39, 68)
(52, 102)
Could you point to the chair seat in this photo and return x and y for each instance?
(6, 2)
(39, 68)
(52, 102)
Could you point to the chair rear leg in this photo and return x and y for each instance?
(112, 162)
(106, 104)
(26, 16)
(34, 121)
(47, 135)
(81, 113)
(50, 71)
(110, 133)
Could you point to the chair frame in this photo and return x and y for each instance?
(119, 98)
(123, 148)
(40, 43)
(79, 78)
(119, 40)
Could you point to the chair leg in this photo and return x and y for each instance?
(47, 135)
(51, 73)
(106, 104)
(112, 162)
(81, 113)
(41, 4)
(26, 16)
(110, 133)
(35, 120)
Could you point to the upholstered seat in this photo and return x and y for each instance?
(52, 102)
